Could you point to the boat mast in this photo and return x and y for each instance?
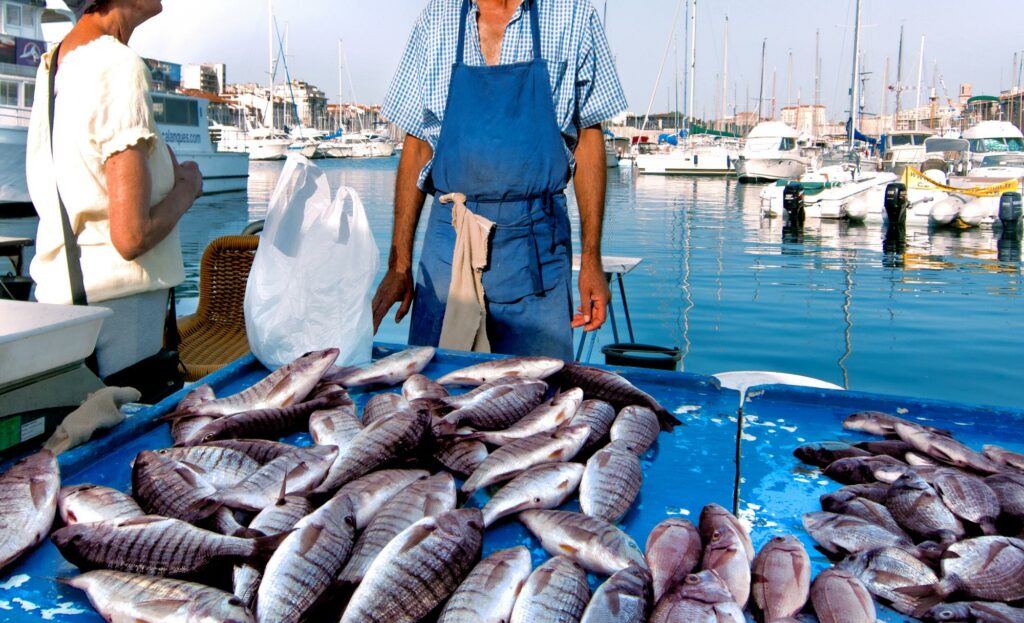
(341, 100)
(917, 103)
(270, 41)
(725, 72)
(693, 60)
(899, 84)
(676, 81)
(855, 79)
(760, 88)
(817, 82)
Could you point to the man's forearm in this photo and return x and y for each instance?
(408, 202)
(591, 176)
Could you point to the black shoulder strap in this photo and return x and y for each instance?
(72, 251)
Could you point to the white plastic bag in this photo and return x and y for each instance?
(309, 287)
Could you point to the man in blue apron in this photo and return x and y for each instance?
(501, 101)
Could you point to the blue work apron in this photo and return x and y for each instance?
(501, 146)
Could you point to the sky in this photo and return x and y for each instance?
(968, 42)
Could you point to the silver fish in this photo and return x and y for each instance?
(839, 597)
(724, 554)
(781, 578)
(860, 470)
(555, 591)
(460, 456)
(611, 482)
(873, 491)
(701, 598)
(419, 387)
(968, 497)
(541, 487)
(269, 423)
(221, 467)
(974, 612)
(370, 492)
(871, 512)
(989, 568)
(916, 459)
(498, 408)
(375, 445)
(886, 569)
(283, 387)
(382, 406)
(28, 504)
(480, 394)
(489, 592)
(821, 453)
(637, 427)
(424, 498)
(623, 598)
(546, 417)
(153, 545)
(1004, 457)
(598, 415)
(184, 430)
(846, 534)
(610, 387)
(673, 552)
(596, 545)
(126, 597)
(509, 461)
(88, 503)
(169, 488)
(292, 474)
(335, 427)
(883, 424)
(538, 368)
(276, 519)
(916, 506)
(945, 449)
(306, 563)
(262, 451)
(390, 370)
(418, 569)
(715, 517)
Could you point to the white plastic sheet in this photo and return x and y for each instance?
(309, 287)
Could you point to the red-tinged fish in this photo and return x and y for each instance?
(781, 578)
(610, 387)
(596, 545)
(89, 503)
(714, 517)
(555, 591)
(673, 551)
(28, 504)
(509, 461)
(542, 487)
(839, 597)
(490, 590)
(538, 368)
(390, 370)
(701, 598)
(724, 554)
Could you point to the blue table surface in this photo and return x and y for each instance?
(683, 471)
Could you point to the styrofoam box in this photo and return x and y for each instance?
(36, 337)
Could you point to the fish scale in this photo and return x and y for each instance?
(497, 409)
(724, 554)
(987, 567)
(262, 451)
(276, 519)
(869, 511)
(1004, 457)
(489, 592)
(544, 417)
(164, 486)
(598, 415)
(544, 486)
(88, 503)
(480, 393)
(382, 406)
(513, 459)
(846, 534)
(673, 551)
(1009, 489)
(611, 482)
(637, 427)
(28, 502)
(370, 492)
(294, 473)
(883, 570)
(222, 467)
(337, 426)
(556, 592)
(701, 598)
(968, 498)
(916, 506)
(622, 598)
(945, 449)
(612, 388)
(460, 457)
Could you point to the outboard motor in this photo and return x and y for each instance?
(1010, 212)
(896, 204)
(793, 203)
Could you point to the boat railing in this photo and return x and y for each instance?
(15, 116)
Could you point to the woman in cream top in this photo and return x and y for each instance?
(123, 190)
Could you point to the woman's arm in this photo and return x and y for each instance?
(135, 228)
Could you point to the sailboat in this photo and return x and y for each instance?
(346, 144)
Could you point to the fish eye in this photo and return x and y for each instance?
(234, 601)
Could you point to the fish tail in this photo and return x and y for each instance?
(988, 526)
(927, 596)
(264, 548)
(667, 420)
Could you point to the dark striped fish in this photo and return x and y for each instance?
(538, 368)
(335, 427)
(509, 461)
(152, 545)
(885, 570)
(865, 469)
(276, 519)
(497, 409)
(673, 552)
(377, 444)
(821, 453)
(1009, 488)
(88, 503)
(478, 395)
(623, 598)
(262, 451)
(28, 504)
(598, 415)
(271, 423)
(839, 597)
(968, 497)
(221, 467)
(490, 590)
(126, 597)
(382, 406)
(418, 569)
(424, 498)
(916, 507)
(370, 492)
(556, 591)
(610, 387)
(636, 427)
(390, 370)
(781, 578)
(419, 387)
(611, 482)
(460, 456)
(871, 512)
(169, 488)
(545, 417)
(597, 545)
(306, 563)
(292, 473)
(541, 487)
(714, 517)
(846, 534)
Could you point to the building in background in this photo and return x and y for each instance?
(208, 77)
(806, 118)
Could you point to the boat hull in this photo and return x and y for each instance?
(769, 169)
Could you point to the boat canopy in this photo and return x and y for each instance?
(773, 129)
(993, 129)
(935, 144)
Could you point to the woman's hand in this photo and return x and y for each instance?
(187, 173)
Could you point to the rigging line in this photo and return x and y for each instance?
(287, 74)
(842, 56)
(661, 69)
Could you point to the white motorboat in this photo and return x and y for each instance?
(771, 153)
(258, 143)
(831, 192)
(611, 157)
(903, 148)
(359, 145)
(694, 157)
(993, 138)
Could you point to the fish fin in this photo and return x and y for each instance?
(340, 374)
(265, 548)
(160, 609)
(201, 509)
(927, 596)
(310, 535)
(994, 552)
(568, 549)
(39, 489)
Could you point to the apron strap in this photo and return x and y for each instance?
(534, 27)
(529, 5)
(461, 49)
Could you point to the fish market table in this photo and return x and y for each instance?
(683, 471)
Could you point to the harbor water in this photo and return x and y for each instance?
(941, 316)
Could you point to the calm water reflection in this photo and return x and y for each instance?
(937, 314)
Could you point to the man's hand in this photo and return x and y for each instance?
(594, 296)
(396, 287)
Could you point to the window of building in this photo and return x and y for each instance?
(8, 93)
(26, 18)
(29, 92)
(12, 15)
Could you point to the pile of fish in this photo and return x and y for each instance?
(930, 526)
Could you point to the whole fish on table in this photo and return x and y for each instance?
(538, 368)
(596, 545)
(306, 563)
(509, 461)
(382, 406)
(153, 545)
(291, 474)
(865, 469)
(873, 491)
(262, 451)
(1004, 457)
(598, 415)
(885, 570)
(715, 517)
(781, 578)
(279, 518)
(839, 597)
(126, 597)
(611, 481)
(419, 387)
(288, 385)
(1009, 489)
(896, 448)
(821, 453)
(496, 409)
(542, 487)
(625, 597)
(974, 612)
(480, 394)
(701, 598)
(418, 569)
(968, 497)
(390, 370)
(489, 592)
(610, 387)
(724, 554)
(545, 417)
(845, 534)
(221, 467)
(460, 456)
(272, 423)
(556, 592)
(89, 503)
(28, 504)
(871, 512)
(917, 507)
(370, 492)
(673, 551)
(945, 449)
(336, 426)
(989, 568)
(883, 424)
(636, 427)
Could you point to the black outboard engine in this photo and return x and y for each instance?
(793, 203)
(896, 204)
(1010, 213)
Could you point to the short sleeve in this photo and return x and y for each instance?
(124, 117)
(599, 95)
(403, 105)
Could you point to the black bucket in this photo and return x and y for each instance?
(642, 356)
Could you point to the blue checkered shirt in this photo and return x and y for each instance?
(584, 83)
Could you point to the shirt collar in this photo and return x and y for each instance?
(474, 9)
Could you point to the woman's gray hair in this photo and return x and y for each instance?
(79, 7)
